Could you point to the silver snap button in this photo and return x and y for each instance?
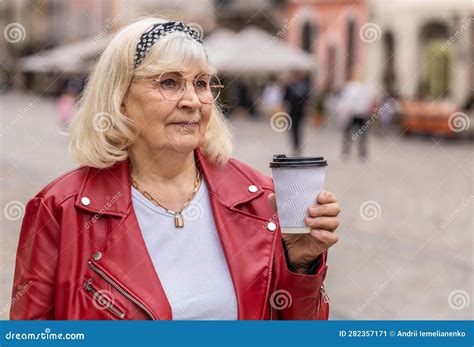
(253, 189)
(271, 226)
(85, 201)
(97, 256)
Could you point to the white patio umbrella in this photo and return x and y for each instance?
(220, 46)
(255, 52)
(74, 57)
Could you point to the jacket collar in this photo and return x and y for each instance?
(107, 191)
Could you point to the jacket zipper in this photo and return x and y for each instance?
(325, 295)
(90, 288)
(121, 290)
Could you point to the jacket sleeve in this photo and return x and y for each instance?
(36, 258)
(299, 296)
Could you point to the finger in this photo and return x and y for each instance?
(330, 210)
(326, 198)
(326, 223)
(323, 237)
(272, 201)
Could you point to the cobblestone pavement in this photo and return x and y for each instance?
(406, 233)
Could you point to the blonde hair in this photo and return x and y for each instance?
(100, 135)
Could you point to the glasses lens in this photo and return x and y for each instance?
(171, 86)
(208, 87)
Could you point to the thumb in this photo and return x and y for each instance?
(272, 201)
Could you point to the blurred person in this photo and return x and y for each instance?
(67, 100)
(272, 97)
(468, 106)
(320, 106)
(387, 111)
(244, 101)
(296, 95)
(65, 104)
(159, 222)
(356, 103)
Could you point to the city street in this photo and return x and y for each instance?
(406, 233)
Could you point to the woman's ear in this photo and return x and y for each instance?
(123, 108)
(123, 105)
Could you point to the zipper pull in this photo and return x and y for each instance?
(325, 295)
(88, 285)
(106, 304)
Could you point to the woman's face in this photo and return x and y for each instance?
(179, 125)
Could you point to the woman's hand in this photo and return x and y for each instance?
(322, 220)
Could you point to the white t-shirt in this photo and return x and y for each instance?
(189, 261)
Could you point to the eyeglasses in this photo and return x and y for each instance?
(172, 86)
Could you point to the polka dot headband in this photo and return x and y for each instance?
(148, 39)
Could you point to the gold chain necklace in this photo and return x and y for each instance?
(178, 216)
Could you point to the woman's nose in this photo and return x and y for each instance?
(189, 98)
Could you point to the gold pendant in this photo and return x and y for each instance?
(178, 220)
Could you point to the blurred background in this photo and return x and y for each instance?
(382, 89)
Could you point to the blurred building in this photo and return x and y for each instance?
(268, 15)
(49, 23)
(422, 49)
(329, 29)
(35, 26)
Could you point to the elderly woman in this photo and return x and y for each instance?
(159, 222)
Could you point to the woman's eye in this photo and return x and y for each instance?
(201, 84)
(169, 83)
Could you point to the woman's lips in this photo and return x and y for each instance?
(186, 124)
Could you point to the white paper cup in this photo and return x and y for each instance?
(297, 181)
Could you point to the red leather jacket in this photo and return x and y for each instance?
(81, 254)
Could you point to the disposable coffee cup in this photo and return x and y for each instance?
(297, 181)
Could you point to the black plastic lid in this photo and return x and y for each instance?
(281, 160)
